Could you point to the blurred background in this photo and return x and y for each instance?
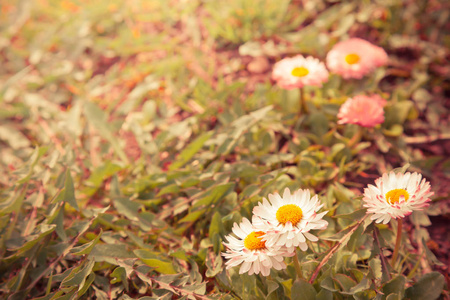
(115, 90)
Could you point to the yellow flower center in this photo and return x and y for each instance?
(300, 72)
(394, 195)
(254, 242)
(289, 213)
(352, 58)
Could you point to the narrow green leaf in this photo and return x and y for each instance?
(98, 119)
(153, 260)
(193, 216)
(69, 191)
(110, 253)
(43, 229)
(13, 202)
(86, 248)
(86, 285)
(190, 151)
(217, 193)
(78, 275)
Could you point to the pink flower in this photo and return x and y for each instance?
(355, 58)
(366, 111)
(298, 71)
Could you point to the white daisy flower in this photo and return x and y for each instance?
(396, 196)
(299, 71)
(249, 250)
(287, 220)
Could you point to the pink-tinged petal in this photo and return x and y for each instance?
(417, 197)
(366, 111)
(369, 58)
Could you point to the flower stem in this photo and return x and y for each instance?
(303, 106)
(297, 266)
(398, 240)
(357, 137)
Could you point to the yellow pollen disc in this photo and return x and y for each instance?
(352, 58)
(300, 72)
(394, 195)
(254, 242)
(289, 213)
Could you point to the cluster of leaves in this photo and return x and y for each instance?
(127, 153)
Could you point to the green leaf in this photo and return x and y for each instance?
(216, 225)
(126, 207)
(43, 231)
(193, 216)
(394, 131)
(272, 287)
(394, 297)
(344, 281)
(69, 191)
(31, 163)
(110, 253)
(98, 119)
(87, 284)
(169, 189)
(302, 290)
(324, 295)
(216, 231)
(95, 180)
(375, 267)
(366, 295)
(318, 123)
(430, 255)
(217, 193)
(190, 151)
(119, 275)
(153, 260)
(395, 286)
(363, 285)
(328, 284)
(78, 275)
(86, 248)
(14, 201)
(420, 218)
(59, 222)
(214, 265)
(428, 287)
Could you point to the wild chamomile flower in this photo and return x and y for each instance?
(396, 196)
(298, 71)
(287, 220)
(355, 58)
(249, 250)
